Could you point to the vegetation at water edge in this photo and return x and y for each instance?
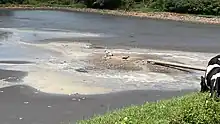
(194, 108)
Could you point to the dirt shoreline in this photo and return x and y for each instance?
(152, 15)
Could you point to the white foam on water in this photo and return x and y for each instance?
(31, 34)
(52, 32)
(133, 81)
(118, 81)
(55, 80)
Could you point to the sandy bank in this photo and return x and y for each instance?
(153, 15)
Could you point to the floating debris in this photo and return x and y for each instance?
(11, 77)
(131, 35)
(75, 94)
(26, 102)
(20, 118)
(74, 99)
(81, 70)
(98, 47)
(63, 62)
(108, 53)
(125, 57)
(36, 92)
(49, 106)
(1, 91)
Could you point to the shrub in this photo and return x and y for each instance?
(208, 7)
(11, 1)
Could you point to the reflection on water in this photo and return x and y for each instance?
(6, 13)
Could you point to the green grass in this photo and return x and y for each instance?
(142, 8)
(194, 108)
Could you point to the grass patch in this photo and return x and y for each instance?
(140, 7)
(194, 108)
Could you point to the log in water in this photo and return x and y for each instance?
(163, 63)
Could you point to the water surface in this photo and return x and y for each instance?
(124, 31)
(25, 34)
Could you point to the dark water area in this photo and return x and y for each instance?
(117, 31)
(15, 62)
(26, 105)
(12, 75)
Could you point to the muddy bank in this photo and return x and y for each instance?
(98, 59)
(131, 62)
(153, 15)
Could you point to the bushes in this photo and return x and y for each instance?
(127, 4)
(103, 4)
(11, 1)
(205, 7)
(208, 7)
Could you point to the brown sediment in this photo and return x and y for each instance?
(153, 15)
(57, 82)
(47, 76)
(134, 62)
(115, 62)
(96, 58)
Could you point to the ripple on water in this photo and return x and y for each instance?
(37, 34)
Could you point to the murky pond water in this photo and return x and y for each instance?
(122, 30)
(27, 36)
